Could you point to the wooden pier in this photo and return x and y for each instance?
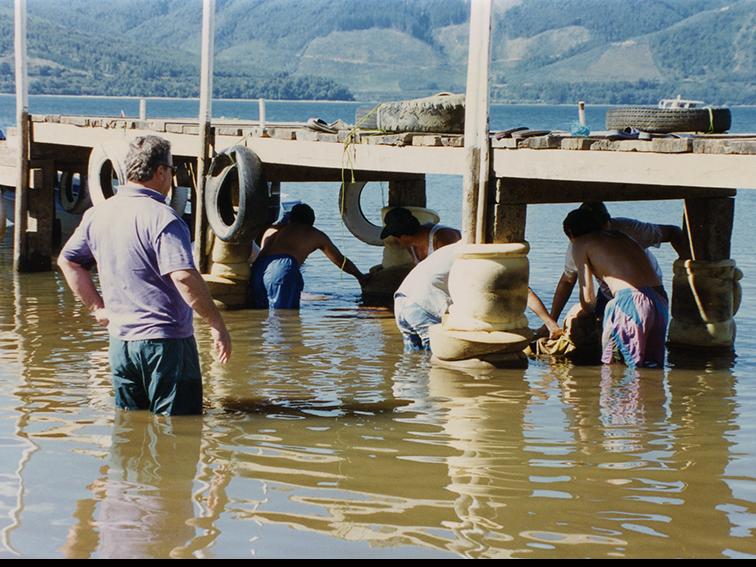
(547, 169)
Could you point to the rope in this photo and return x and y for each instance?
(711, 121)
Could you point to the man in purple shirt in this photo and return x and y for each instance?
(150, 286)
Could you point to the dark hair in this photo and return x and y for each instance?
(580, 222)
(146, 154)
(302, 214)
(598, 208)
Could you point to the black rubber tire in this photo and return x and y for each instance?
(238, 201)
(666, 120)
(442, 113)
(75, 202)
(354, 217)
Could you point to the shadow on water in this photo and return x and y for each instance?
(701, 359)
(308, 408)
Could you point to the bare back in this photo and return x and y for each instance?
(616, 259)
(296, 240)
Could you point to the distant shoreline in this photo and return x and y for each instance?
(290, 101)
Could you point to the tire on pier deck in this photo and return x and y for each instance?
(238, 200)
(666, 120)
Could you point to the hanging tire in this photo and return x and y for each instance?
(353, 216)
(442, 113)
(106, 166)
(666, 120)
(73, 199)
(238, 201)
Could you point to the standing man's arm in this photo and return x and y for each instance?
(193, 289)
(79, 279)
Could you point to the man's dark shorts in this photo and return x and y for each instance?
(161, 375)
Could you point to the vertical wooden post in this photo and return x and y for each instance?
(709, 224)
(477, 142)
(205, 133)
(407, 192)
(20, 247)
(40, 218)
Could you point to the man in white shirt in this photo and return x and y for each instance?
(645, 234)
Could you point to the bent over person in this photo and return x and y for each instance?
(635, 319)
(149, 284)
(276, 280)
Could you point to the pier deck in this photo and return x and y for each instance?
(293, 152)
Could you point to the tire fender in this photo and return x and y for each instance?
(105, 162)
(78, 203)
(353, 216)
(238, 200)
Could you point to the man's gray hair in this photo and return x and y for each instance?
(146, 153)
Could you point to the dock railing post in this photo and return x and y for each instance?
(20, 245)
(477, 170)
(205, 133)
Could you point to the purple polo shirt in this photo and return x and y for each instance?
(137, 241)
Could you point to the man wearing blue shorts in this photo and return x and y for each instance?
(276, 281)
(149, 284)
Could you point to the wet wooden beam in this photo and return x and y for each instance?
(35, 241)
(691, 170)
(709, 222)
(532, 191)
(409, 192)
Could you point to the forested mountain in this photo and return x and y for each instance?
(543, 50)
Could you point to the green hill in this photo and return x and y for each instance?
(543, 50)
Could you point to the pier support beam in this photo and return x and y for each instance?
(206, 137)
(705, 289)
(36, 240)
(408, 192)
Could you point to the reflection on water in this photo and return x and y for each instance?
(321, 438)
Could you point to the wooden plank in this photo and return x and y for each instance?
(680, 170)
(746, 147)
(37, 235)
(517, 191)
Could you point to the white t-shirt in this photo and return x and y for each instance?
(646, 234)
(427, 285)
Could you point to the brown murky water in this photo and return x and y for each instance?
(321, 439)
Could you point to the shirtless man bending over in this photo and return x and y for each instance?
(635, 320)
(276, 279)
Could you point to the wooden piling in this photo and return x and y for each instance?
(408, 192)
(709, 226)
(477, 144)
(205, 134)
(20, 247)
